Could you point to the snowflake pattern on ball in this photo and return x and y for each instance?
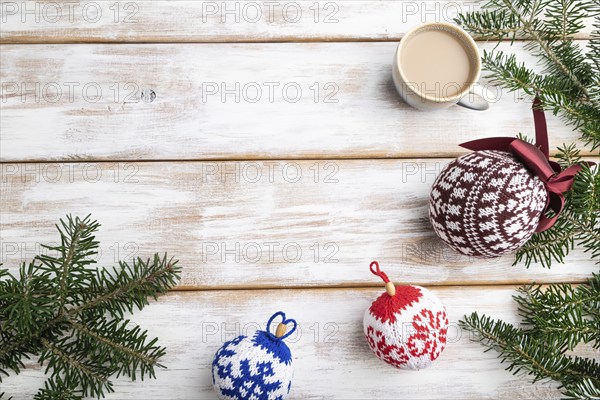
(390, 353)
(486, 204)
(256, 368)
(430, 334)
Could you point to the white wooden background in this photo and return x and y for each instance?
(277, 202)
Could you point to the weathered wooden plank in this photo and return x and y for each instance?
(224, 101)
(256, 224)
(331, 358)
(221, 21)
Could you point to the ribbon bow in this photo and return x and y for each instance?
(536, 159)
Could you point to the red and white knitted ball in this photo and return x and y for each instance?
(486, 204)
(407, 330)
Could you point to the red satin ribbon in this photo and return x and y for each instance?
(536, 158)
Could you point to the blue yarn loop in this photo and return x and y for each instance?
(284, 321)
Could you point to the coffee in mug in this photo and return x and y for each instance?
(437, 65)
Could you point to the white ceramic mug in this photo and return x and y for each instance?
(472, 96)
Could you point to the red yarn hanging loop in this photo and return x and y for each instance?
(374, 267)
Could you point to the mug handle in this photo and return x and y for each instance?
(482, 100)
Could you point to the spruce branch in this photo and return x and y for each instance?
(561, 313)
(521, 351)
(70, 267)
(59, 389)
(569, 82)
(579, 223)
(69, 360)
(555, 319)
(490, 25)
(71, 315)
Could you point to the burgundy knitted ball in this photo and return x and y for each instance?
(486, 204)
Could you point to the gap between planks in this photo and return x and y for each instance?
(227, 159)
(445, 285)
(254, 41)
(224, 160)
(252, 159)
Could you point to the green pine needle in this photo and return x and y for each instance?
(71, 316)
(569, 81)
(568, 84)
(554, 320)
(560, 317)
(577, 225)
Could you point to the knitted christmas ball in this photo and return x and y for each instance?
(406, 326)
(257, 367)
(486, 204)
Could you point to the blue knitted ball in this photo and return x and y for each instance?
(257, 367)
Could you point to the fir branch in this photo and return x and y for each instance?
(57, 388)
(559, 314)
(540, 359)
(568, 155)
(551, 245)
(590, 292)
(129, 287)
(568, 84)
(579, 224)
(113, 341)
(24, 309)
(584, 389)
(72, 315)
(74, 365)
(489, 25)
(565, 18)
(555, 319)
(531, 26)
(70, 268)
(523, 352)
(109, 295)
